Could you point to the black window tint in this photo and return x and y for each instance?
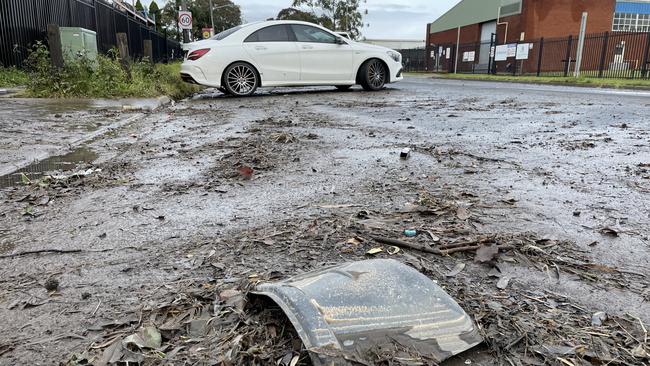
(274, 33)
(305, 33)
(226, 33)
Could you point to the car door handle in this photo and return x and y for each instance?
(307, 47)
(260, 48)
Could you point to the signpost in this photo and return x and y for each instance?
(207, 32)
(501, 53)
(185, 20)
(522, 51)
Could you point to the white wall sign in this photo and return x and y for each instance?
(522, 51)
(512, 50)
(501, 53)
(448, 53)
(185, 19)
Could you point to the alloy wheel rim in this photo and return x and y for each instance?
(376, 74)
(241, 79)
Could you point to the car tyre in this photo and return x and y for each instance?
(373, 75)
(240, 79)
(343, 87)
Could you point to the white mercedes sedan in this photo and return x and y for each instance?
(287, 53)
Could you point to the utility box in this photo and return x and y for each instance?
(78, 41)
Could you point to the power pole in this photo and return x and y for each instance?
(581, 44)
(186, 32)
(212, 17)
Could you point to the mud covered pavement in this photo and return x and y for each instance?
(531, 204)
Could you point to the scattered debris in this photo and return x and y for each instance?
(410, 233)
(405, 153)
(52, 284)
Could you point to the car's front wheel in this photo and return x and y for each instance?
(240, 79)
(373, 75)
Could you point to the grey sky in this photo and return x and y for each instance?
(393, 19)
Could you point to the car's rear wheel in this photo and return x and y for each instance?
(343, 87)
(240, 79)
(373, 75)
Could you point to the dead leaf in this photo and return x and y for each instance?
(462, 213)
(640, 352)
(608, 231)
(245, 172)
(147, 337)
(354, 241)
(374, 251)
(459, 267)
(294, 360)
(486, 254)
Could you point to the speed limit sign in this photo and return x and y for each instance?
(185, 19)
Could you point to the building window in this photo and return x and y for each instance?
(629, 22)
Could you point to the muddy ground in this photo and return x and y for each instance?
(169, 210)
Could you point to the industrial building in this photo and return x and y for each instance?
(516, 21)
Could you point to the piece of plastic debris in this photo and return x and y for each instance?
(410, 232)
(405, 154)
(503, 282)
(598, 318)
(392, 250)
(344, 312)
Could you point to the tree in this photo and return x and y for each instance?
(339, 15)
(226, 15)
(154, 11)
(139, 7)
(297, 14)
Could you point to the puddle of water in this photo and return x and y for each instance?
(67, 162)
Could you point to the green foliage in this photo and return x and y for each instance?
(305, 16)
(11, 77)
(226, 15)
(104, 78)
(155, 12)
(138, 6)
(338, 15)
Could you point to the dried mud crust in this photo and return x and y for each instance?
(214, 321)
(146, 260)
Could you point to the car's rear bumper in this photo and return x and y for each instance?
(194, 74)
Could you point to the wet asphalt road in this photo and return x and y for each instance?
(571, 158)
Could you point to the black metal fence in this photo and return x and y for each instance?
(23, 22)
(605, 55)
(414, 59)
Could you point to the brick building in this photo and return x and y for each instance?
(473, 21)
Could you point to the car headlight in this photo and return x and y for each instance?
(395, 55)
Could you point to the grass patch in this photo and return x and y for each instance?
(581, 81)
(11, 77)
(104, 78)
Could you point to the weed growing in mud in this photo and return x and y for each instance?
(82, 77)
(11, 77)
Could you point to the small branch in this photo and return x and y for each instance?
(427, 249)
(63, 251)
(56, 251)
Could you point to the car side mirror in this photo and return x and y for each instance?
(339, 40)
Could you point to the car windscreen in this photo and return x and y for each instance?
(226, 33)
